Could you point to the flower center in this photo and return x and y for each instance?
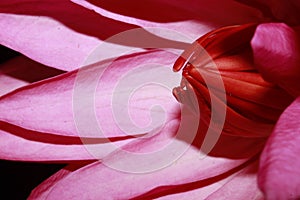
(253, 105)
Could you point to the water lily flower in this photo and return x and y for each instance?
(252, 115)
(258, 64)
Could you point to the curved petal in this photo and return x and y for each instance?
(277, 55)
(241, 186)
(202, 191)
(57, 33)
(197, 17)
(20, 71)
(24, 145)
(9, 83)
(280, 164)
(96, 180)
(199, 193)
(61, 104)
(42, 191)
(44, 31)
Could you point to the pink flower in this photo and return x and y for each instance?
(42, 120)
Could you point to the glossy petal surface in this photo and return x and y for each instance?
(83, 99)
(280, 164)
(277, 55)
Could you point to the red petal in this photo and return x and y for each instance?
(278, 10)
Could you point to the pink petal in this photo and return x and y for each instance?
(54, 28)
(20, 71)
(58, 106)
(242, 186)
(42, 191)
(95, 180)
(57, 33)
(24, 145)
(277, 55)
(239, 185)
(198, 193)
(9, 83)
(280, 164)
(197, 17)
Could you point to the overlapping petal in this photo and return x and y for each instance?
(49, 106)
(50, 148)
(42, 191)
(276, 48)
(56, 33)
(27, 28)
(50, 117)
(21, 71)
(95, 180)
(280, 164)
(61, 34)
(194, 190)
(197, 17)
(7, 82)
(242, 186)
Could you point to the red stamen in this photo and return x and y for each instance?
(253, 105)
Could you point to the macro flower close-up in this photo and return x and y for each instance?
(157, 99)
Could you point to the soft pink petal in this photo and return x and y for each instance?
(99, 181)
(196, 17)
(24, 145)
(241, 186)
(58, 106)
(20, 71)
(67, 32)
(61, 34)
(9, 83)
(57, 33)
(199, 193)
(42, 191)
(277, 55)
(280, 164)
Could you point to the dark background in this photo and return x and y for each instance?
(17, 179)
